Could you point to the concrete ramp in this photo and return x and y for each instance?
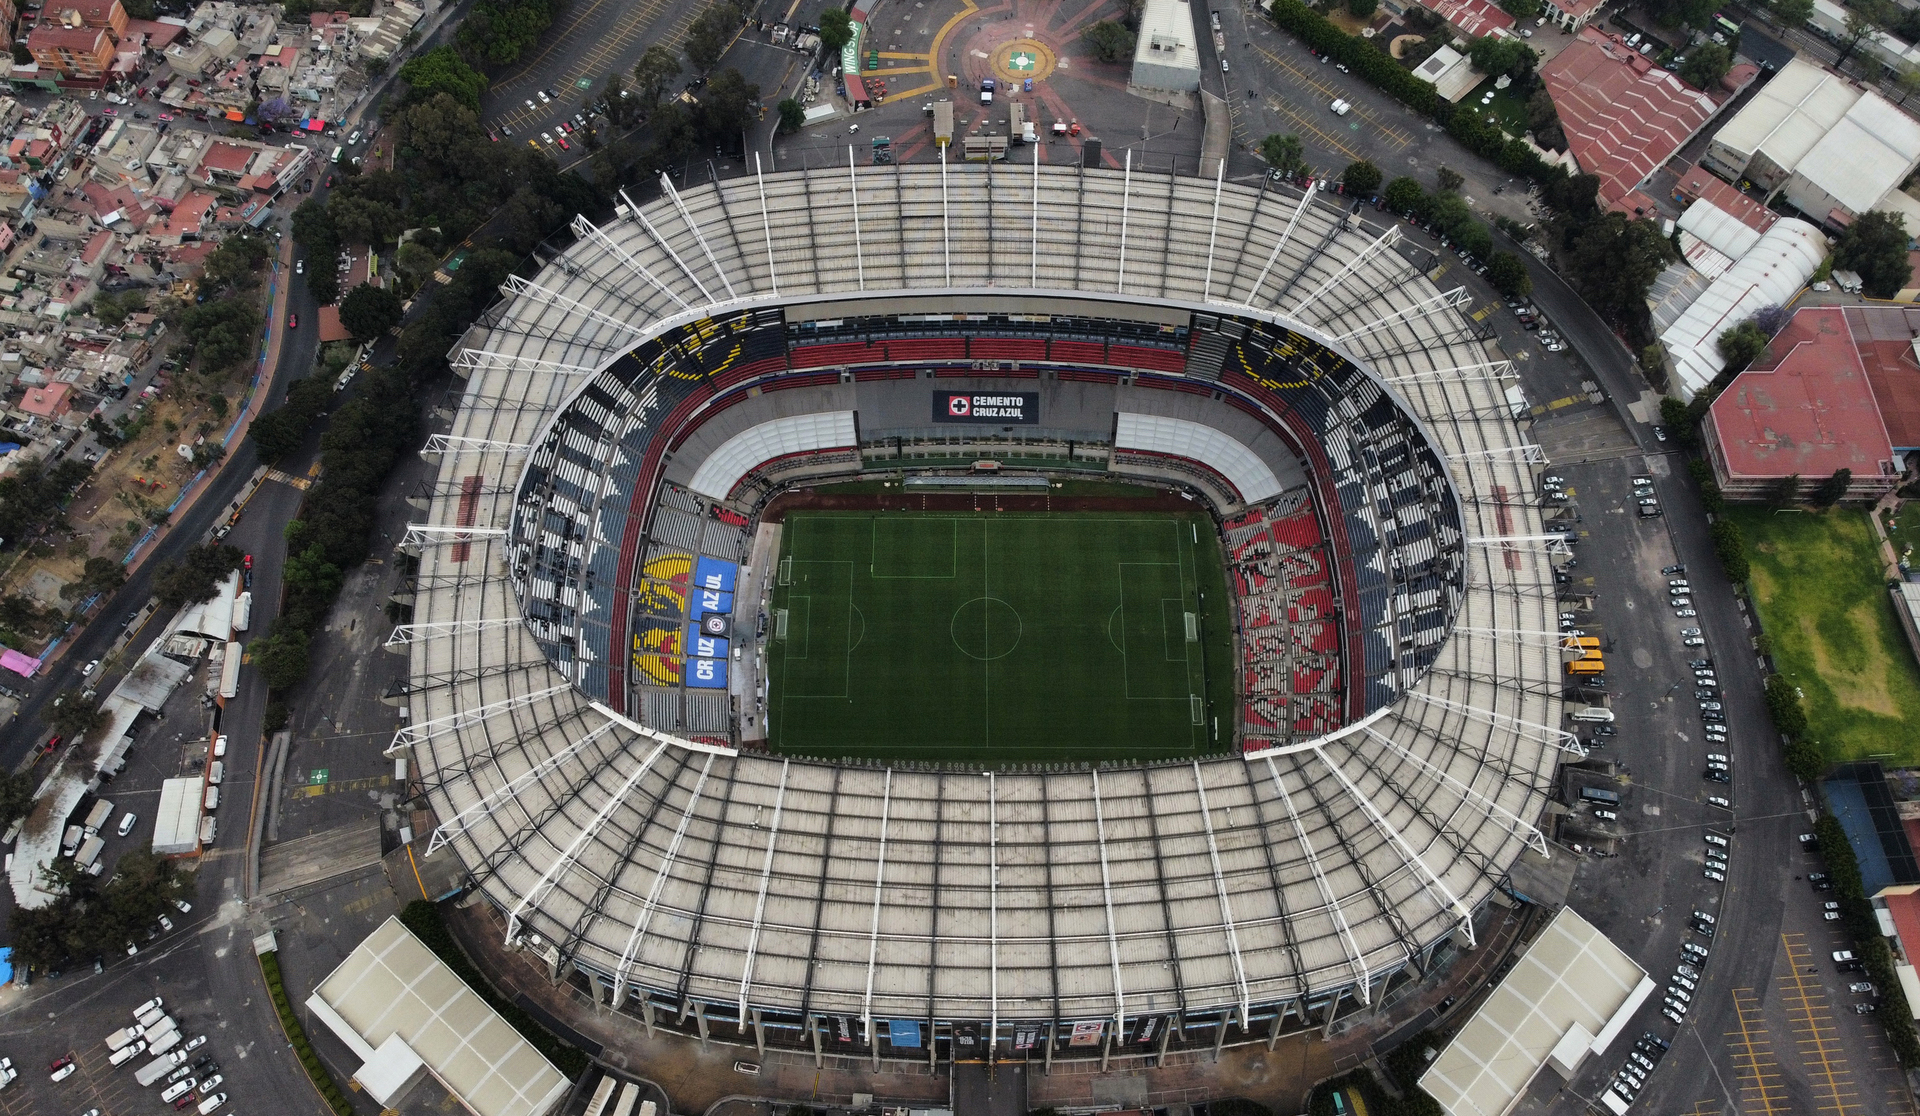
(316, 857)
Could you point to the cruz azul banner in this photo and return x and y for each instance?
(1012, 408)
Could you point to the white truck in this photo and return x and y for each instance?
(159, 1067)
(122, 1037)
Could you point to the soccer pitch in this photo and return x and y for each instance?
(1001, 638)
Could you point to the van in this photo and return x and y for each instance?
(13, 831)
(1716, 839)
(177, 1090)
(127, 1054)
(1593, 713)
(213, 799)
(337, 152)
(208, 1106)
(1340, 107)
(207, 829)
(216, 771)
(220, 746)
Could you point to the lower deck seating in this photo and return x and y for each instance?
(1290, 635)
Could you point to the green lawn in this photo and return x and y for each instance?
(1826, 607)
(1904, 530)
(999, 638)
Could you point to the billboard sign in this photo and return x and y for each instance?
(1008, 408)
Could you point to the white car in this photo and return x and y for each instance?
(1682, 603)
(1689, 631)
(1679, 993)
(196, 1043)
(65, 1072)
(1718, 757)
(1684, 613)
(166, 924)
(1716, 800)
(87, 671)
(1716, 839)
(1830, 916)
(1716, 877)
(210, 1084)
(1694, 641)
(546, 137)
(182, 906)
(1673, 1016)
(127, 823)
(1606, 815)
(176, 1090)
(210, 1104)
(299, 267)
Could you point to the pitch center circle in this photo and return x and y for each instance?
(986, 628)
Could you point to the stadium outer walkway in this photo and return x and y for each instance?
(700, 1081)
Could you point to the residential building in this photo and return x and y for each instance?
(1472, 19)
(1572, 15)
(82, 54)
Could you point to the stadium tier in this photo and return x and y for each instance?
(587, 646)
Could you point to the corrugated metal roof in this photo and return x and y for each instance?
(1778, 266)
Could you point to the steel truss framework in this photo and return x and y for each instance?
(689, 875)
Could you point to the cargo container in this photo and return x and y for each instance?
(98, 817)
(159, 1067)
(122, 1037)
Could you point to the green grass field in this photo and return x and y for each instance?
(1826, 608)
(998, 639)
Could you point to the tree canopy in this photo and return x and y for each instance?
(836, 29)
(709, 35)
(1708, 63)
(1508, 274)
(195, 576)
(1504, 55)
(1284, 153)
(1361, 178)
(1741, 345)
(497, 32)
(1875, 245)
(369, 311)
(1406, 195)
(1110, 41)
(442, 70)
(1613, 261)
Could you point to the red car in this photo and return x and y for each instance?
(293, 321)
(247, 562)
(166, 116)
(47, 749)
(562, 141)
(109, 111)
(59, 1063)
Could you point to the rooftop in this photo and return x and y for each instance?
(1472, 18)
(1884, 336)
(1805, 407)
(1769, 274)
(1622, 115)
(1696, 184)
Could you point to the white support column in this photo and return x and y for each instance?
(993, 914)
(546, 881)
(1399, 843)
(652, 901)
(1126, 202)
(457, 824)
(873, 934)
(482, 360)
(637, 214)
(407, 634)
(1488, 370)
(1226, 904)
(1425, 308)
(515, 285)
(1385, 241)
(766, 877)
(1552, 544)
(1524, 636)
(766, 223)
(1513, 822)
(1106, 892)
(1363, 979)
(1034, 265)
(1253, 295)
(1527, 452)
(1539, 734)
(1213, 231)
(589, 231)
(420, 732)
(946, 231)
(693, 227)
(449, 443)
(859, 255)
(421, 535)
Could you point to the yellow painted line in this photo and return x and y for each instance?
(1751, 1062)
(1568, 401)
(938, 50)
(318, 789)
(909, 57)
(1832, 1067)
(924, 89)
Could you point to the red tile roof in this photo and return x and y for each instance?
(1804, 407)
(1623, 116)
(1696, 183)
(85, 39)
(1472, 18)
(158, 34)
(1577, 8)
(97, 247)
(48, 402)
(228, 157)
(1905, 909)
(1884, 336)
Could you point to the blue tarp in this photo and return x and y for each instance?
(904, 1033)
(6, 965)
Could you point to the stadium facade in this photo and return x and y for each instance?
(626, 414)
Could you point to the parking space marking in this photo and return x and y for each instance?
(591, 63)
(1392, 133)
(315, 790)
(1321, 135)
(1818, 1039)
(1761, 1090)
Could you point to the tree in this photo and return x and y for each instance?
(1771, 319)
(1450, 215)
(1792, 13)
(1613, 261)
(369, 311)
(1785, 493)
(1449, 180)
(196, 576)
(1508, 274)
(653, 75)
(1833, 489)
(1405, 195)
(1875, 245)
(1523, 9)
(1361, 178)
(222, 332)
(1864, 17)
(1730, 546)
(707, 39)
(1497, 56)
(1363, 9)
(101, 575)
(1783, 701)
(309, 572)
(1741, 346)
(1283, 153)
(1708, 63)
(16, 796)
(1110, 41)
(442, 70)
(1475, 240)
(416, 263)
(728, 107)
(792, 115)
(281, 657)
(72, 716)
(836, 30)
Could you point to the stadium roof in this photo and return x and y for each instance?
(686, 869)
(1777, 266)
(1623, 116)
(400, 1008)
(1568, 995)
(1805, 408)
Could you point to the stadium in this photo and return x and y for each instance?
(704, 617)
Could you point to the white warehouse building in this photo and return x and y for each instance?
(1831, 149)
(1768, 274)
